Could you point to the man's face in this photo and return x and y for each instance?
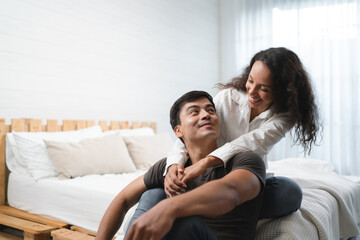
(198, 121)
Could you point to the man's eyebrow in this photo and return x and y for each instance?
(192, 106)
(197, 106)
(265, 85)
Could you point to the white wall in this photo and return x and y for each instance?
(105, 60)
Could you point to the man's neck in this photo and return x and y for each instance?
(198, 151)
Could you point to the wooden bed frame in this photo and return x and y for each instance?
(33, 226)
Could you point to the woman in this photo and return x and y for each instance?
(256, 110)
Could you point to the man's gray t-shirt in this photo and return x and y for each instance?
(240, 223)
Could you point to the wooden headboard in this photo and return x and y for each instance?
(35, 125)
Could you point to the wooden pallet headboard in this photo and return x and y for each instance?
(35, 125)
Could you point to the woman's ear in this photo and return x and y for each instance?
(178, 132)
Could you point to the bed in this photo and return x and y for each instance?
(330, 208)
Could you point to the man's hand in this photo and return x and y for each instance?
(154, 224)
(172, 184)
(176, 178)
(194, 171)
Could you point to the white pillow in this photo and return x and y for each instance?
(145, 131)
(107, 154)
(31, 150)
(147, 150)
(13, 160)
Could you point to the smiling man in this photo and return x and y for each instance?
(222, 203)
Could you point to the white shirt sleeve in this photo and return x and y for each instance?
(259, 140)
(177, 155)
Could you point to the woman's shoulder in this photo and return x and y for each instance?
(232, 95)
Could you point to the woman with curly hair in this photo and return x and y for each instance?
(256, 110)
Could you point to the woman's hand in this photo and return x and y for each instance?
(199, 168)
(194, 170)
(177, 177)
(172, 184)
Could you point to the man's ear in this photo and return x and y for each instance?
(178, 132)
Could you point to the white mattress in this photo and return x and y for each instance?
(80, 201)
(330, 207)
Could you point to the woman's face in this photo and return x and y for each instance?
(259, 88)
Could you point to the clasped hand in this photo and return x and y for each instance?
(177, 176)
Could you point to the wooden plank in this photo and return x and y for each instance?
(125, 125)
(66, 234)
(90, 123)
(80, 124)
(104, 126)
(18, 125)
(39, 236)
(135, 125)
(144, 124)
(6, 236)
(114, 125)
(153, 126)
(52, 125)
(24, 225)
(83, 230)
(35, 125)
(68, 125)
(2, 162)
(31, 217)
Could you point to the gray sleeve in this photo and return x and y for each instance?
(249, 161)
(154, 177)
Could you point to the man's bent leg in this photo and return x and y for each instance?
(190, 228)
(148, 199)
(282, 196)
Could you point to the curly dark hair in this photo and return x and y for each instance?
(292, 92)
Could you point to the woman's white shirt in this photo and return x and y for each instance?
(238, 134)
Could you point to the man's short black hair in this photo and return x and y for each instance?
(187, 97)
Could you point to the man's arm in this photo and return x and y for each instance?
(214, 198)
(116, 211)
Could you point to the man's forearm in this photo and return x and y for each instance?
(112, 220)
(217, 197)
(116, 211)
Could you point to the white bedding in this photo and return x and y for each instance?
(80, 201)
(330, 207)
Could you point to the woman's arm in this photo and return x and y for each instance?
(175, 162)
(177, 155)
(259, 140)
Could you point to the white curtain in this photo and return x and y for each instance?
(326, 36)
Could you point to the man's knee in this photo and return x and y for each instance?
(190, 228)
(151, 197)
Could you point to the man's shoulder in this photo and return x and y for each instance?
(161, 163)
(246, 157)
(249, 161)
(154, 177)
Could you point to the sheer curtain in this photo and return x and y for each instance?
(326, 36)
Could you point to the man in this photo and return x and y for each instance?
(222, 203)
